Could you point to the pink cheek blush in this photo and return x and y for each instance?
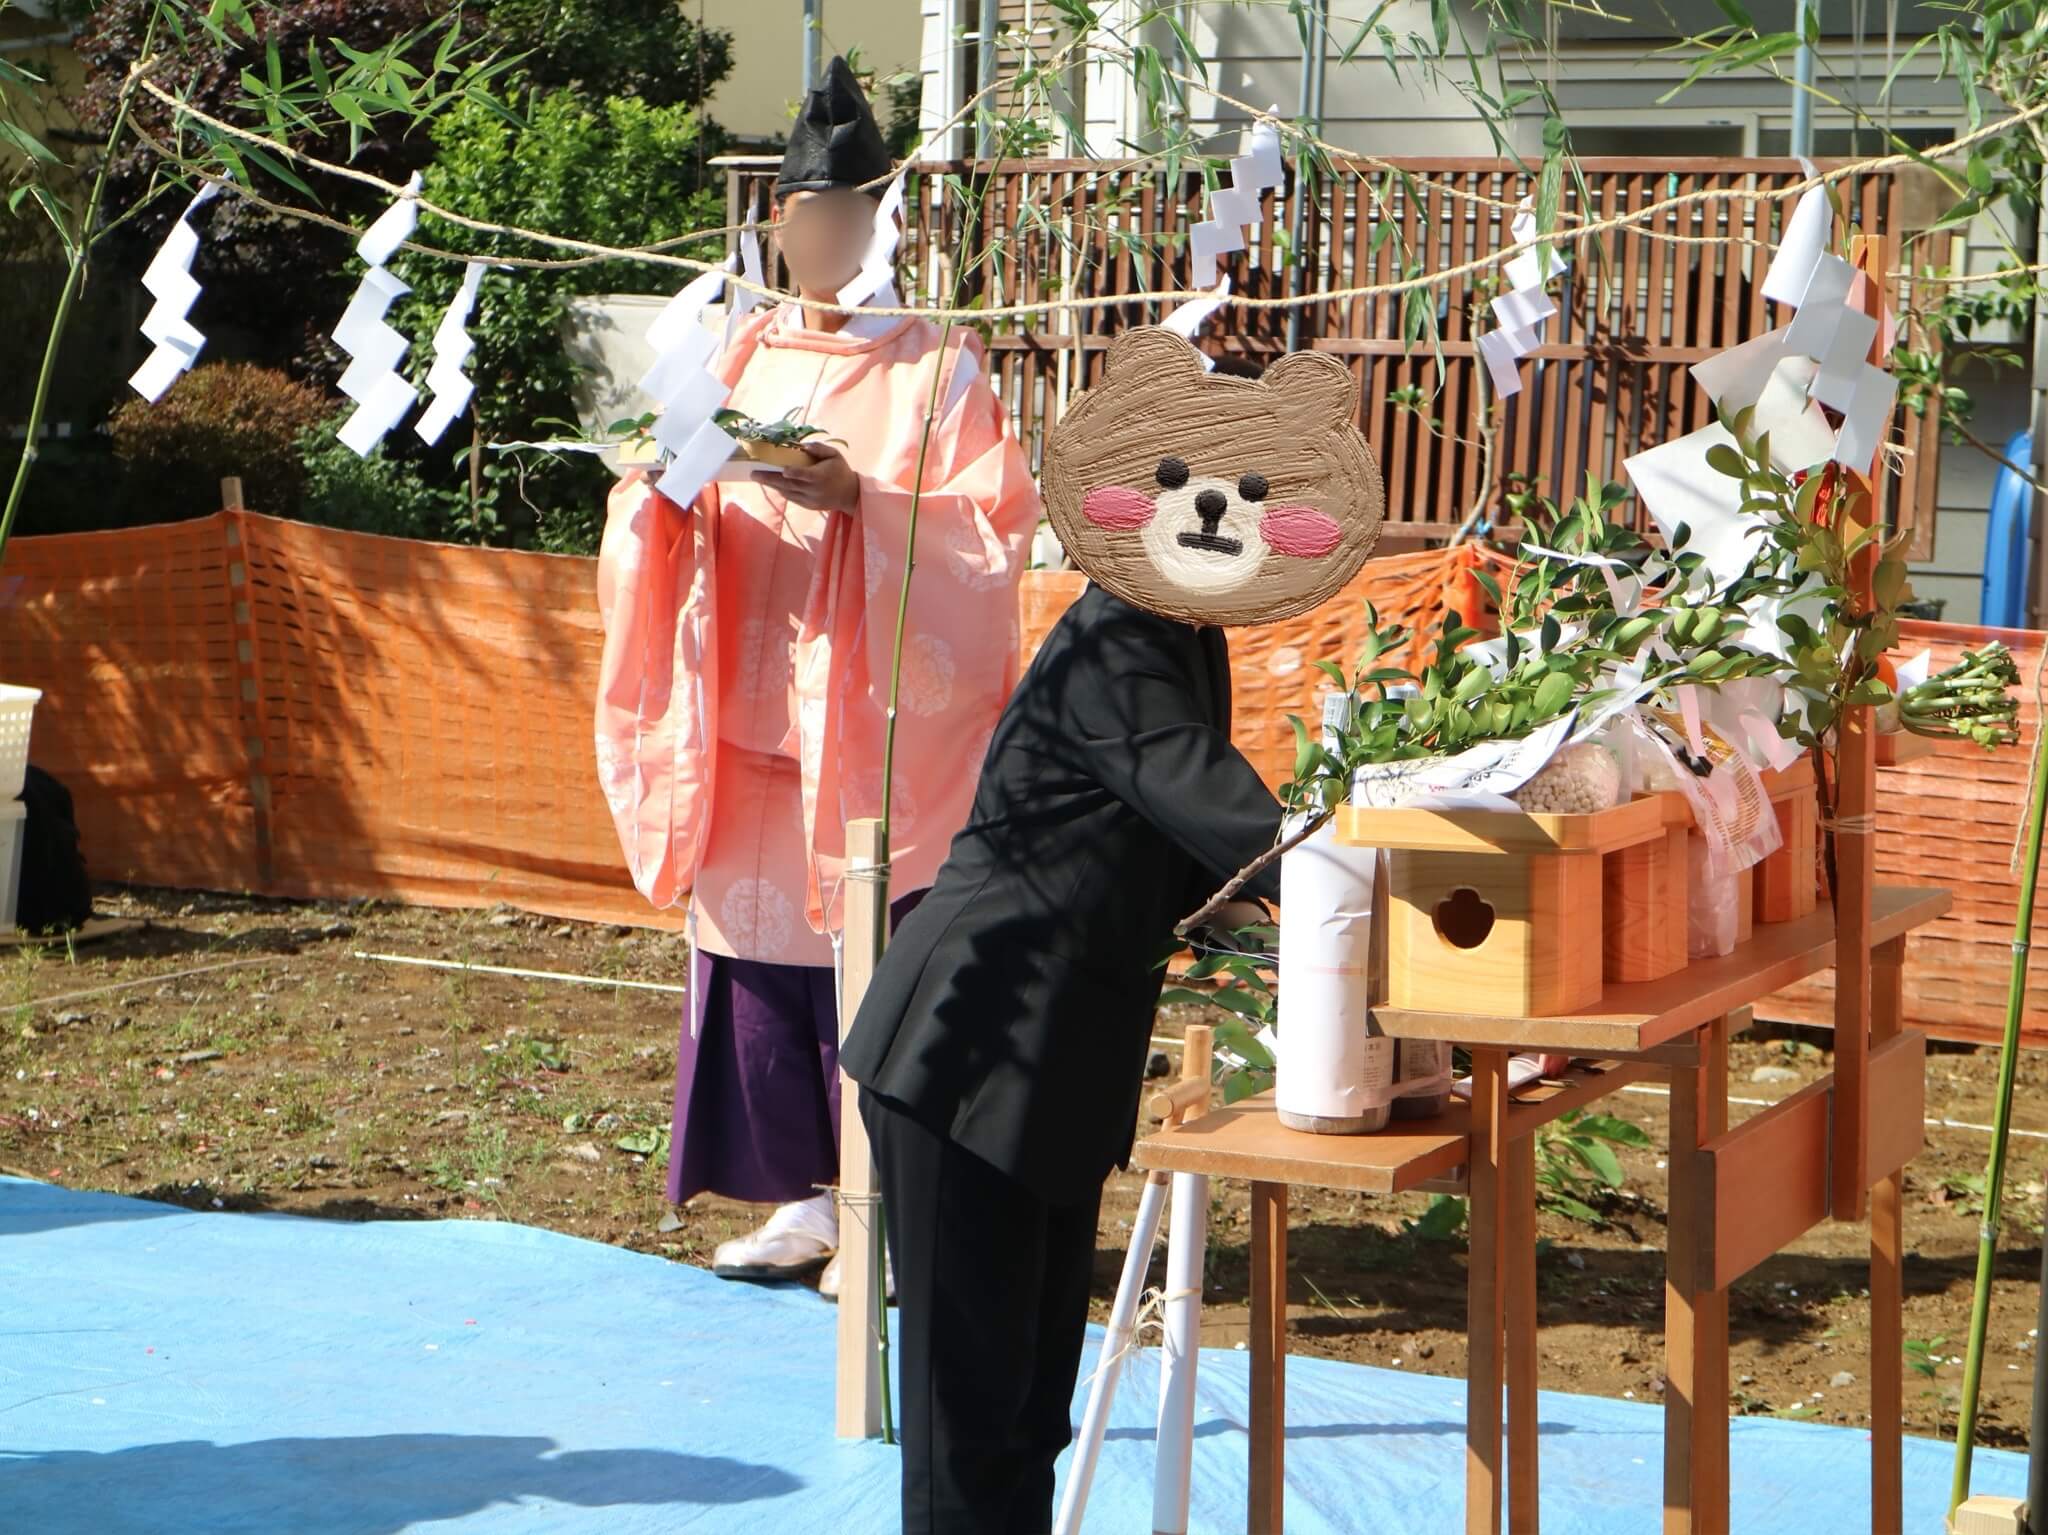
(1117, 508)
(1301, 531)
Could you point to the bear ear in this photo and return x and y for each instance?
(1317, 384)
(1151, 351)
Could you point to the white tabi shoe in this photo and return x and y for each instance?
(795, 1241)
(828, 1282)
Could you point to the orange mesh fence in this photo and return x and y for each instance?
(131, 636)
(241, 703)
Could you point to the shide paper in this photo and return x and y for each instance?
(372, 378)
(175, 341)
(1190, 317)
(1234, 208)
(689, 393)
(1520, 312)
(1804, 238)
(451, 386)
(878, 266)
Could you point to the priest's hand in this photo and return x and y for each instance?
(826, 484)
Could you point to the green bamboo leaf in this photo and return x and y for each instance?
(27, 143)
(280, 170)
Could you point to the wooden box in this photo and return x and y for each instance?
(1787, 885)
(1494, 911)
(1643, 908)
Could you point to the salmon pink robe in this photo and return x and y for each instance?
(744, 684)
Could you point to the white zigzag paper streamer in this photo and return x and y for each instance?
(451, 386)
(1191, 316)
(1839, 339)
(175, 341)
(372, 378)
(878, 266)
(689, 393)
(1231, 209)
(1521, 311)
(744, 301)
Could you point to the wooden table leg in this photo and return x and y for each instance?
(1695, 1319)
(1483, 1294)
(1887, 1255)
(1518, 1276)
(1266, 1511)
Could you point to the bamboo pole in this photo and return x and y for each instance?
(2001, 1125)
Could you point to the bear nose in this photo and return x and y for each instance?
(1210, 505)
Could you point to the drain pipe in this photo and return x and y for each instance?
(1808, 16)
(984, 73)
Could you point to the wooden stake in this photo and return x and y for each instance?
(231, 494)
(1887, 1291)
(1856, 873)
(1518, 1281)
(1696, 1318)
(1482, 1294)
(859, 1398)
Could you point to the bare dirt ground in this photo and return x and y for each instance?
(290, 1074)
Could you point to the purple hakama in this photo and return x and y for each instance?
(757, 1080)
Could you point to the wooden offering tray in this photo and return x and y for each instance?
(752, 451)
(1630, 1018)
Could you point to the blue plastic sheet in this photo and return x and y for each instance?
(170, 1372)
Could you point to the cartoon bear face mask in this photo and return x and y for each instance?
(1212, 499)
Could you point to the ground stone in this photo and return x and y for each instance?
(1774, 1074)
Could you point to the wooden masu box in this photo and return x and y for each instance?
(1788, 882)
(1503, 913)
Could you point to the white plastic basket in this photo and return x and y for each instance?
(17, 711)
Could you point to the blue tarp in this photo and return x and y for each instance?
(169, 1372)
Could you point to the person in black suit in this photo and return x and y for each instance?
(1001, 1044)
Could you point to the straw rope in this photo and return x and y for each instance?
(590, 251)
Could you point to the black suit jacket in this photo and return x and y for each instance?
(1012, 1010)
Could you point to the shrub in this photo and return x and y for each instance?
(218, 420)
(621, 173)
(378, 494)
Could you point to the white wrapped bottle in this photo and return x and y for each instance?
(1335, 1075)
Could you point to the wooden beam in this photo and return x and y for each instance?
(1767, 1181)
(858, 1400)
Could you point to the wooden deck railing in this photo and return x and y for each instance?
(1610, 378)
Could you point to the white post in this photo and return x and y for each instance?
(1187, 1241)
(1116, 1341)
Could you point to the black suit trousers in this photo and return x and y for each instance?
(992, 1293)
